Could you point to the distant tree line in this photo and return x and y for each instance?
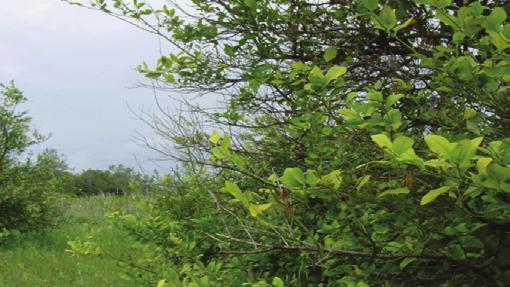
(116, 180)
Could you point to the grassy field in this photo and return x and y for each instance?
(40, 259)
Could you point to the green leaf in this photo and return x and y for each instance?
(498, 40)
(469, 113)
(234, 190)
(396, 191)
(447, 19)
(499, 71)
(506, 31)
(293, 178)
(476, 8)
(299, 67)
(221, 152)
(495, 147)
(256, 209)
(330, 54)
(277, 282)
(362, 182)
(471, 243)
(251, 3)
(435, 3)
(225, 143)
(433, 194)
(387, 18)
(169, 78)
(316, 76)
(437, 163)
(370, 4)
(167, 11)
(464, 151)
(335, 72)
(495, 19)
(392, 99)
(153, 75)
(406, 262)
(311, 177)
(238, 160)
(316, 72)
(401, 145)
(382, 141)
(394, 119)
(455, 251)
(458, 37)
(482, 163)
(439, 145)
(375, 96)
(499, 172)
(230, 187)
(404, 25)
(273, 178)
(229, 50)
(333, 178)
(215, 137)
(441, 3)
(409, 156)
(349, 114)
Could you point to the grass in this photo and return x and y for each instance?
(40, 259)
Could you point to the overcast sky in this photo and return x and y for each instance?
(76, 67)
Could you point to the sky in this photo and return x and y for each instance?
(76, 67)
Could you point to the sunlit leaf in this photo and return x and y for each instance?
(396, 191)
(335, 72)
(382, 141)
(364, 180)
(330, 54)
(439, 145)
(406, 261)
(215, 137)
(293, 178)
(433, 194)
(256, 209)
(401, 145)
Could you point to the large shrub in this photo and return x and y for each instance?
(31, 194)
(30, 188)
(362, 142)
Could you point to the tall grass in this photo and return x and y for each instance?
(40, 259)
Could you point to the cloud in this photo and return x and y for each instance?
(75, 65)
(30, 11)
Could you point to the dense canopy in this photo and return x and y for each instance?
(360, 143)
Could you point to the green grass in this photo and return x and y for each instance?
(40, 259)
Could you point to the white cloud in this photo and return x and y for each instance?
(28, 11)
(74, 66)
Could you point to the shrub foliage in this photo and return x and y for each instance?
(30, 188)
(361, 143)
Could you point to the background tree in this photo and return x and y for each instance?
(31, 188)
(16, 134)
